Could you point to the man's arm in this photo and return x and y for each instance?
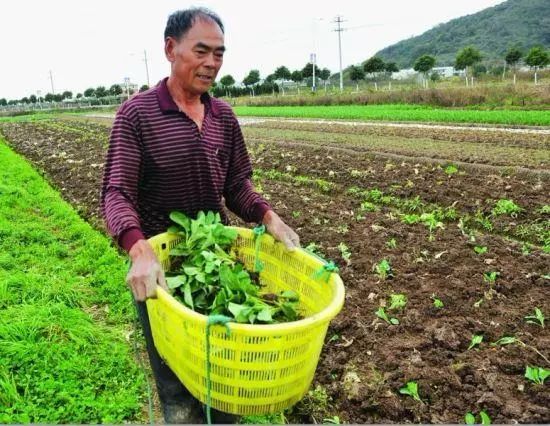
(241, 198)
(119, 191)
(119, 195)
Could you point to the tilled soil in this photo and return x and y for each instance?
(366, 361)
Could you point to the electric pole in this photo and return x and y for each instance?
(146, 66)
(51, 81)
(313, 58)
(339, 30)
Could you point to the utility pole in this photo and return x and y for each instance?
(51, 81)
(146, 66)
(313, 62)
(339, 30)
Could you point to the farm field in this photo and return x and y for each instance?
(401, 112)
(445, 231)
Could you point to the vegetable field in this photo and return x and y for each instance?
(442, 237)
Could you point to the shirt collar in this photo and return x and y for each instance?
(166, 102)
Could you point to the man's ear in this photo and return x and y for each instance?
(170, 49)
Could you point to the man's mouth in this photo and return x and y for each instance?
(205, 78)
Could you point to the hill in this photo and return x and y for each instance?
(493, 31)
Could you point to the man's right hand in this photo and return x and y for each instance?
(146, 272)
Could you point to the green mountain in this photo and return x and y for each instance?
(522, 23)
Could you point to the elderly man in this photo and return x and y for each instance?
(174, 147)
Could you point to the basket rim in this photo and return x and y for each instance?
(327, 314)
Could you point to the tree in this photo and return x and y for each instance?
(251, 79)
(282, 73)
(227, 80)
(467, 57)
(3, 102)
(32, 99)
(67, 94)
(512, 58)
(324, 75)
(297, 77)
(143, 88)
(78, 95)
(374, 65)
(89, 93)
(356, 74)
(100, 92)
(49, 97)
(424, 64)
(115, 90)
(25, 100)
(537, 58)
(58, 97)
(390, 68)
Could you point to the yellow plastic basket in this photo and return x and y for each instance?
(256, 369)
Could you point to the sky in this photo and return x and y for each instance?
(99, 42)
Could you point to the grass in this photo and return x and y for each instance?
(399, 112)
(64, 311)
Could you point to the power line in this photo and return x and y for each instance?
(339, 30)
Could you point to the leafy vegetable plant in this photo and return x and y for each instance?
(537, 374)
(476, 340)
(383, 269)
(411, 389)
(210, 281)
(470, 419)
(538, 318)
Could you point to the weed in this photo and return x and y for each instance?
(480, 249)
(367, 206)
(451, 169)
(296, 214)
(381, 313)
(490, 277)
(476, 340)
(397, 301)
(383, 269)
(342, 229)
(391, 243)
(537, 319)
(537, 374)
(470, 419)
(345, 253)
(411, 389)
(505, 206)
(437, 302)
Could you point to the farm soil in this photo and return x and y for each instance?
(365, 360)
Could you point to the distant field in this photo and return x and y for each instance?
(401, 113)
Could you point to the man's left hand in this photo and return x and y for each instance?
(280, 230)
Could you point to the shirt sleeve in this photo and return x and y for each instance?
(119, 190)
(240, 196)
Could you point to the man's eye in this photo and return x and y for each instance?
(218, 55)
(201, 52)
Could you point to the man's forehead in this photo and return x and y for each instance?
(203, 29)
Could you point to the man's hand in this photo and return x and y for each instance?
(280, 230)
(145, 273)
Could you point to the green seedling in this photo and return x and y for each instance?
(507, 207)
(411, 389)
(451, 169)
(476, 340)
(367, 206)
(480, 249)
(470, 419)
(397, 301)
(437, 302)
(537, 374)
(544, 209)
(537, 319)
(381, 313)
(490, 277)
(391, 243)
(383, 269)
(526, 249)
(334, 420)
(296, 214)
(345, 253)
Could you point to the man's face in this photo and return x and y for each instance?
(197, 57)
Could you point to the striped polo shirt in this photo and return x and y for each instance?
(158, 162)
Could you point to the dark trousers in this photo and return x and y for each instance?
(170, 389)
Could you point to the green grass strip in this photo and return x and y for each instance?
(64, 311)
(400, 113)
